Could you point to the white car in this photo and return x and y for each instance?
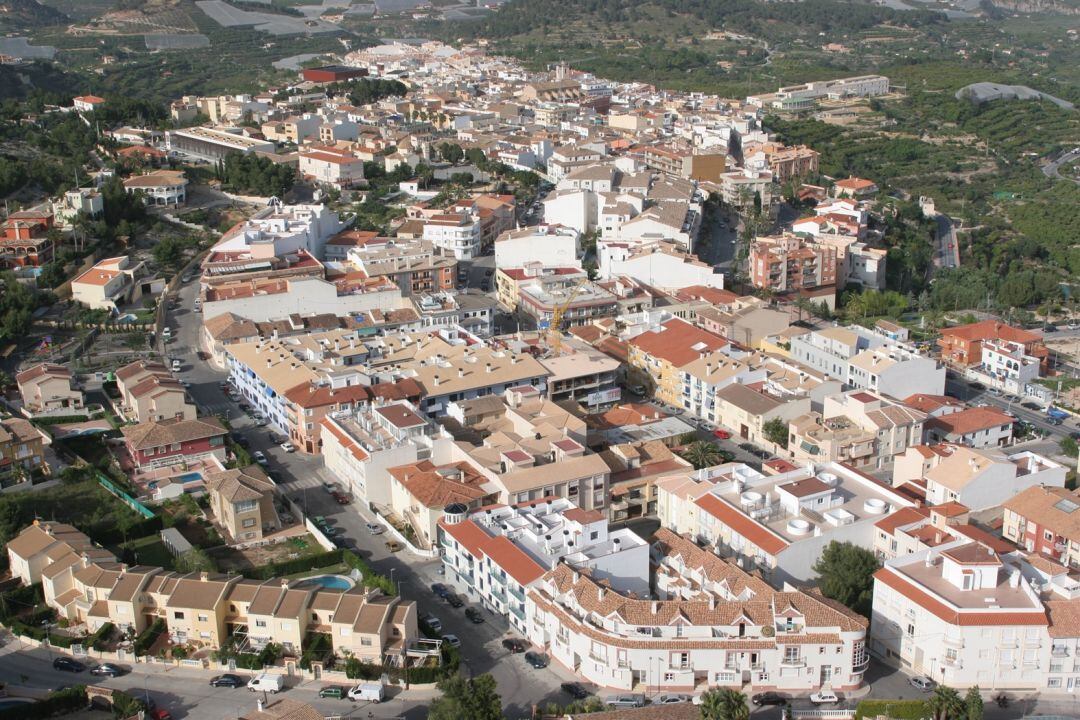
(176, 366)
(452, 640)
(260, 458)
(824, 697)
(373, 528)
(671, 699)
(288, 447)
(922, 683)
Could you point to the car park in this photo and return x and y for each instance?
(67, 664)
(332, 691)
(921, 682)
(575, 690)
(227, 680)
(474, 615)
(537, 660)
(452, 640)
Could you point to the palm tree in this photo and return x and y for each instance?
(946, 703)
(724, 704)
(701, 454)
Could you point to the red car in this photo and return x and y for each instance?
(159, 714)
(722, 434)
(342, 498)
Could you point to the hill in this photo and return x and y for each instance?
(25, 15)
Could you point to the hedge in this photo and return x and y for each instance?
(60, 419)
(451, 661)
(22, 596)
(100, 638)
(896, 709)
(370, 577)
(290, 567)
(61, 702)
(148, 637)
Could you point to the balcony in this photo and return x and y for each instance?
(954, 642)
(793, 662)
(1059, 651)
(516, 594)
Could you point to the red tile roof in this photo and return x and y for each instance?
(500, 549)
(675, 342)
(990, 330)
(903, 516)
(969, 421)
(739, 523)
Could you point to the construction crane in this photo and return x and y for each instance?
(554, 331)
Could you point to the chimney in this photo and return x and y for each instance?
(488, 368)
(435, 381)
(204, 576)
(600, 593)
(655, 607)
(461, 372)
(712, 601)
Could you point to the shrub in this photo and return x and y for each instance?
(896, 709)
(288, 567)
(148, 637)
(100, 639)
(61, 702)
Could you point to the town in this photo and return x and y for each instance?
(431, 386)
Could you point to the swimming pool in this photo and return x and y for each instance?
(328, 582)
(9, 703)
(189, 477)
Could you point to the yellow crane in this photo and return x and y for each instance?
(554, 331)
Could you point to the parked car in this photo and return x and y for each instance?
(240, 440)
(627, 700)
(671, 699)
(374, 529)
(921, 682)
(768, 698)
(328, 487)
(108, 670)
(260, 458)
(432, 622)
(474, 615)
(452, 640)
(267, 683)
(332, 691)
(537, 660)
(722, 434)
(453, 600)
(68, 665)
(227, 680)
(1030, 406)
(176, 366)
(341, 498)
(393, 546)
(515, 645)
(440, 589)
(288, 447)
(575, 690)
(824, 697)
(159, 714)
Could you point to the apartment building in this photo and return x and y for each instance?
(415, 266)
(47, 387)
(831, 349)
(328, 165)
(1009, 365)
(280, 230)
(580, 302)
(421, 491)
(582, 374)
(986, 478)
(895, 370)
(777, 524)
(896, 426)
(787, 263)
(785, 163)
(242, 502)
(964, 614)
(658, 262)
(738, 634)
(962, 346)
(1042, 519)
(500, 551)
(455, 234)
(838, 439)
(201, 609)
(745, 188)
(211, 144)
(658, 354)
(705, 376)
(977, 427)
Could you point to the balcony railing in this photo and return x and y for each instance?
(1059, 651)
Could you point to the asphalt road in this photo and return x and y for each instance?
(1037, 418)
(1052, 169)
(947, 252)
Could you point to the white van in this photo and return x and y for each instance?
(266, 682)
(371, 691)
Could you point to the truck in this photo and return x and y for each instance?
(371, 691)
(1054, 414)
(267, 683)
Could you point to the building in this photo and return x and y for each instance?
(421, 491)
(332, 73)
(775, 524)
(895, 370)
(658, 354)
(986, 478)
(43, 543)
(415, 266)
(789, 264)
(854, 187)
(962, 346)
(331, 166)
(660, 263)
(87, 103)
(500, 551)
(579, 301)
(582, 374)
(546, 245)
(114, 283)
(635, 469)
(977, 427)
(159, 443)
(47, 388)
(455, 234)
(24, 238)
(161, 188)
(242, 501)
(965, 614)
(746, 188)
(211, 144)
(66, 209)
(830, 350)
(22, 451)
(1043, 520)
(148, 391)
(736, 633)
(280, 230)
(1009, 365)
(895, 426)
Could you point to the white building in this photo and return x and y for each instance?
(499, 551)
(895, 370)
(659, 263)
(456, 234)
(965, 615)
(266, 301)
(330, 166)
(548, 245)
(1008, 365)
(986, 478)
(162, 188)
(279, 230)
(776, 524)
(211, 144)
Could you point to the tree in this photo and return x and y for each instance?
(973, 704)
(1068, 446)
(846, 574)
(474, 698)
(195, 560)
(946, 704)
(701, 454)
(776, 432)
(724, 704)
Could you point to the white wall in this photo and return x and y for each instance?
(558, 250)
(305, 296)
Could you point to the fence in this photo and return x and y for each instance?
(124, 497)
(397, 535)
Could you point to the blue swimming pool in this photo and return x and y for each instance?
(329, 582)
(189, 477)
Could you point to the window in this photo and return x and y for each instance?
(366, 642)
(178, 615)
(910, 630)
(202, 618)
(260, 623)
(1053, 682)
(249, 522)
(791, 654)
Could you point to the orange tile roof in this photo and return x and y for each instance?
(676, 341)
(990, 330)
(903, 516)
(347, 442)
(970, 420)
(739, 523)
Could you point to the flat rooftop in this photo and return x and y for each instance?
(1000, 596)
